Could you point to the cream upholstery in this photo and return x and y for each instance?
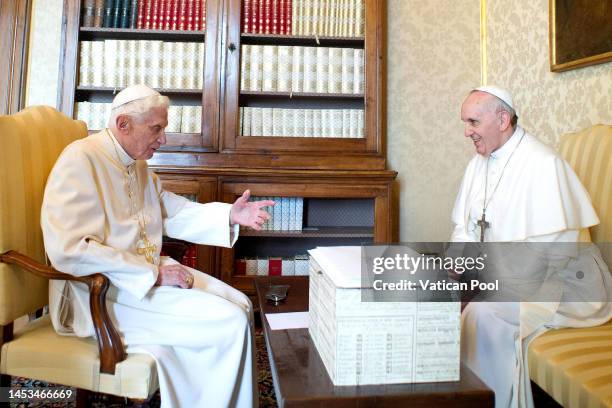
(31, 141)
(574, 366)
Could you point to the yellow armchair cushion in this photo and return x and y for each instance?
(39, 352)
(31, 143)
(574, 366)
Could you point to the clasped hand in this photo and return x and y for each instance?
(174, 275)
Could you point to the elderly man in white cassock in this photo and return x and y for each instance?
(516, 189)
(105, 212)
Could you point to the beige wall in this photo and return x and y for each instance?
(44, 53)
(433, 61)
(434, 58)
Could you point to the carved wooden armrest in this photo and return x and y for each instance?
(109, 343)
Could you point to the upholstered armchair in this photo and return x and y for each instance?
(30, 143)
(574, 366)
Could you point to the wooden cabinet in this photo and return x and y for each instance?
(332, 163)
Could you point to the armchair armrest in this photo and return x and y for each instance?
(109, 342)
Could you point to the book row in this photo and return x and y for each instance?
(334, 18)
(159, 64)
(286, 215)
(344, 123)
(188, 15)
(181, 119)
(272, 68)
(273, 266)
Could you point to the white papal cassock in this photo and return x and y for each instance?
(539, 199)
(200, 338)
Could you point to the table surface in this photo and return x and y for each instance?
(300, 378)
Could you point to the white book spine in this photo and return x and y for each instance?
(288, 266)
(297, 69)
(316, 7)
(295, 17)
(336, 121)
(174, 119)
(299, 123)
(359, 62)
(308, 123)
(110, 63)
(277, 122)
(186, 120)
(333, 16)
(132, 65)
(155, 71)
(251, 266)
(256, 68)
(351, 18)
(270, 63)
(353, 123)
(284, 69)
(287, 129)
(168, 63)
(346, 122)
(200, 65)
(197, 112)
(83, 112)
(245, 52)
(348, 70)
(359, 18)
(310, 70)
(361, 124)
(97, 52)
(319, 122)
(85, 67)
(292, 222)
(307, 16)
(335, 70)
(246, 121)
(143, 61)
(344, 18)
(256, 122)
(266, 121)
(122, 66)
(322, 67)
(191, 74)
(285, 213)
(299, 212)
(278, 216)
(179, 66)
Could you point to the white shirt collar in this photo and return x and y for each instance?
(124, 157)
(507, 148)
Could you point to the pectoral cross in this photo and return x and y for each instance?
(483, 224)
(146, 248)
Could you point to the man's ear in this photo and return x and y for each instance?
(123, 123)
(504, 120)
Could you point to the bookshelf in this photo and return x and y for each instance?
(321, 136)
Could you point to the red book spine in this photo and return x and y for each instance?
(197, 15)
(155, 15)
(190, 258)
(182, 14)
(275, 16)
(262, 17)
(275, 266)
(147, 14)
(255, 16)
(168, 16)
(268, 16)
(281, 16)
(240, 267)
(203, 25)
(189, 17)
(161, 15)
(246, 16)
(288, 17)
(141, 10)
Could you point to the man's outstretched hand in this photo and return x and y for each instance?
(249, 214)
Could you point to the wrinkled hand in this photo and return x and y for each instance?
(174, 275)
(249, 214)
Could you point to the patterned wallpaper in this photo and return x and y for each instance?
(434, 60)
(551, 104)
(44, 53)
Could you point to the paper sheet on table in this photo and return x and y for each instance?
(283, 321)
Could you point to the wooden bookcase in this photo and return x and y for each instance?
(344, 174)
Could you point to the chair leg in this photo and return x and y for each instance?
(82, 398)
(5, 380)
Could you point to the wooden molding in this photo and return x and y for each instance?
(14, 33)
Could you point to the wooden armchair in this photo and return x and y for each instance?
(31, 142)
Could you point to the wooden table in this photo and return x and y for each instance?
(300, 378)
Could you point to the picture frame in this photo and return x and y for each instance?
(580, 33)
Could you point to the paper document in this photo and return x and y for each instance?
(284, 321)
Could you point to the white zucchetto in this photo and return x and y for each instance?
(132, 93)
(499, 93)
